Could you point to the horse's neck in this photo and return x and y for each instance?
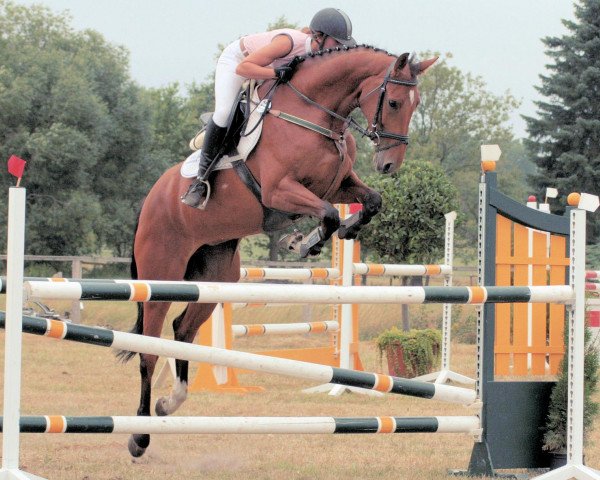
(336, 82)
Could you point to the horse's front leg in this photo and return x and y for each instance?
(354, 190)
(312, 244)
(291, 196)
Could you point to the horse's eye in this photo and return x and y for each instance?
(393, 104)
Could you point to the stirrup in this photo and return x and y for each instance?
(196, 202)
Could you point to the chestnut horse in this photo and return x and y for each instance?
(301, 171)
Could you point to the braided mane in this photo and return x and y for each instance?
(344, 48)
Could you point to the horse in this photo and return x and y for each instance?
(302, 168)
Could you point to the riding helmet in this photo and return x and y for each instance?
(335, 23)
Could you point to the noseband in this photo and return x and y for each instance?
(377, 131)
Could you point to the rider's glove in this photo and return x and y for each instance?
(284, 74)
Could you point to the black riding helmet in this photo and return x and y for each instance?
(334, 23)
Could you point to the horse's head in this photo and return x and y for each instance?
(389, 106)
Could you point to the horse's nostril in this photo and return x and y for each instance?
(386, 168)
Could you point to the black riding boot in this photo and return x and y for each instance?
(213, 138)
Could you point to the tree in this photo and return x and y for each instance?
(409, 228)
(456, 115)
(564, 139)
(456, 108)
(68, 107)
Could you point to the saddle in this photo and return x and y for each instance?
(244, 127)
(243, 132)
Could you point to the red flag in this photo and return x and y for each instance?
(355, 207)
(16, 166)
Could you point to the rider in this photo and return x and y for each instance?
(261, 56)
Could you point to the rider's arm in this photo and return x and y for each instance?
(255, 64)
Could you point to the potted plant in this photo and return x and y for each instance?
(410, 353)
(555, 431)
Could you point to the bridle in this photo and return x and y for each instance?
(376, 131)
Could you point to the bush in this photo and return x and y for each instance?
(420, 348)
(555, 436)
(409, 228)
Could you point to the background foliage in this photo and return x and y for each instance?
(409, 228)
(95, 141)
(564, 139)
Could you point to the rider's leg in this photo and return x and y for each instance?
(227, 87)
(213, 139)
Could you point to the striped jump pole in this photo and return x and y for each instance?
(284, 328)
(246, 425)
(214, 292)
(390, 270)
(3, 280)
(249, 361)
(258, 273)
(246, 273)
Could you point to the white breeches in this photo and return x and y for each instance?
(227, 82)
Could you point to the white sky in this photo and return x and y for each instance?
(176, 40)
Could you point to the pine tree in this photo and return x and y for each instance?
(565, 138)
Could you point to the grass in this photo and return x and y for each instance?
(73, 379)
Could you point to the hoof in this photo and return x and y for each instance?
(309, 252)
(134, 449)
(161, 407)
(291, 241)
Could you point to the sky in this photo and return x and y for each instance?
(177, 40)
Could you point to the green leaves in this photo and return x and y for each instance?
(68, 107)
(565, 137)
(410, 226)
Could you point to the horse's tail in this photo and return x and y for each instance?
(138, 328)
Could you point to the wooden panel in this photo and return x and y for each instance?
(521, 315)
(557, 312)
(503, 250)
(539, 276)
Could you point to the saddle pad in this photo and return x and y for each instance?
(189, 168)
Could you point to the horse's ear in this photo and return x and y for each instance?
(425, 64)
(401, 62)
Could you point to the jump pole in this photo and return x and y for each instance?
(216, 292)
(250, 361)
(247, 425)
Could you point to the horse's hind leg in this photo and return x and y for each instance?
(185, 331)
(216, 263)
(152, 311)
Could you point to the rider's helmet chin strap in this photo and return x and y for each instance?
(321, 44)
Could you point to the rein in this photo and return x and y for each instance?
(375, 133)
